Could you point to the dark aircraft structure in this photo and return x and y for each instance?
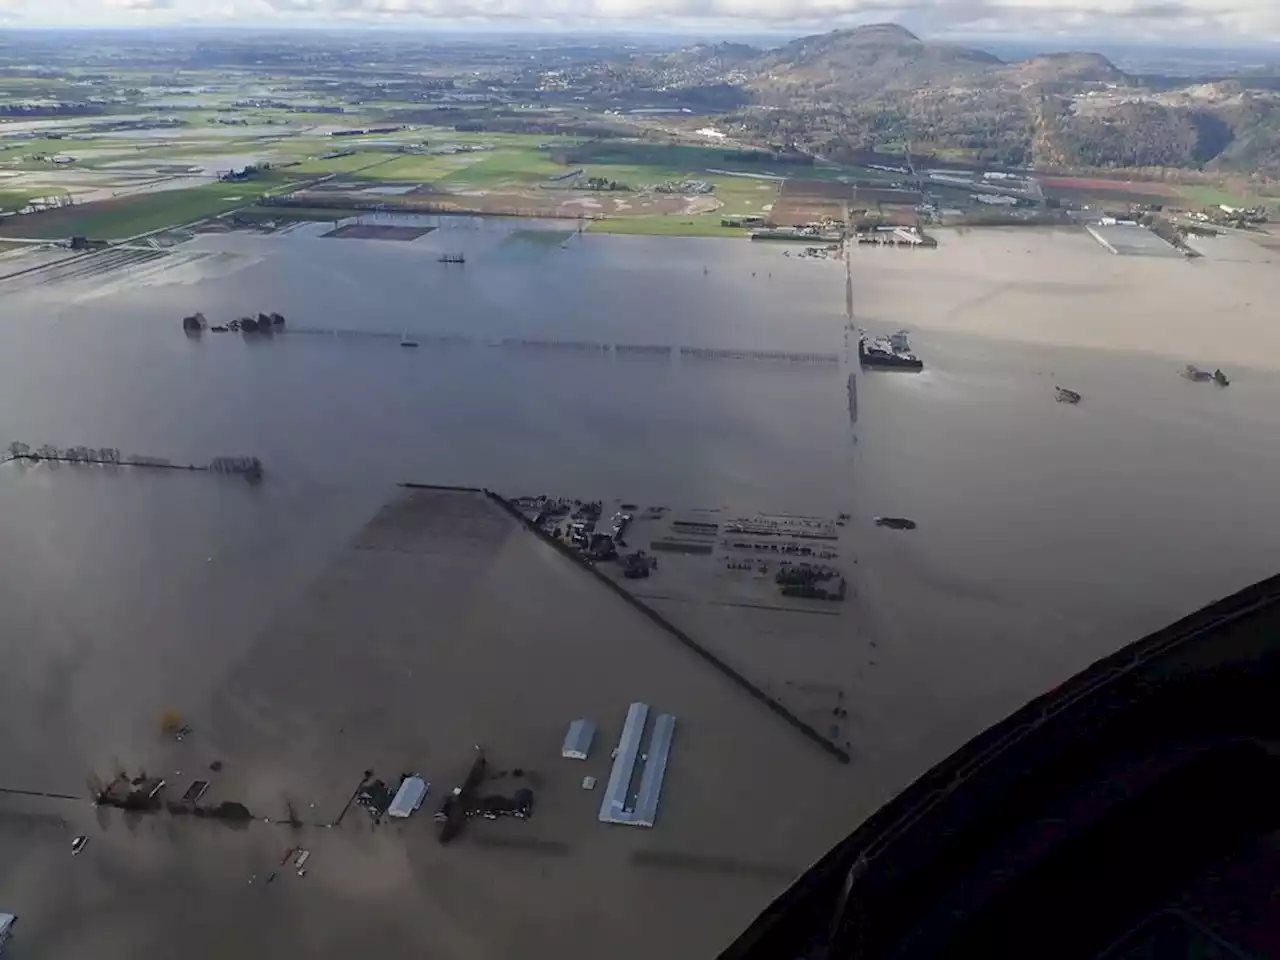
(1133, 812)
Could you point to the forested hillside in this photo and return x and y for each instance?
(841, 93)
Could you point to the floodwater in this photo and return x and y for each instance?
(1049, 535)
(330, 410)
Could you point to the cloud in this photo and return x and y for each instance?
(1256, 21)
(1253, 20)
(1161, 11)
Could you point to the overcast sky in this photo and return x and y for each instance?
(1188, 21)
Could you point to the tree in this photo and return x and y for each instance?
(170, 722)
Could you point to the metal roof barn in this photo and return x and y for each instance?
(408, 797)
(643, 811)
(7, 920)
(1131, 239)
(655, 768)
(613, 803)
(577, 742)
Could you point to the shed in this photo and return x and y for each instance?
(577, 742)
(408, 798)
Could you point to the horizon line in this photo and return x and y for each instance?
(683, 27)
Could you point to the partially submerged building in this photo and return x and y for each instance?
(138, 793)
(619, 805)
(7, 920)
(577, 742)
(408, 798)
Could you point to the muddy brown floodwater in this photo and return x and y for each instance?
(303, 652)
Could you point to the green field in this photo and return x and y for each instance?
(525, 164)
(314, 214)
(671, 225)
(367, 163)
(741, 196)
(1213, 196)
(424, 168)
(11, 200)
(142, 213)
(512, 161)
(440, 136)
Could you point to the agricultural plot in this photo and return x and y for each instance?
(129, 216)
(1101, 191)
(674, 225)
(1215, 196)
(507, 165)
(417, 168)
(425, 168)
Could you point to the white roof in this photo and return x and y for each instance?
(408, 797)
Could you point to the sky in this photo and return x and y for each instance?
(1197, 22)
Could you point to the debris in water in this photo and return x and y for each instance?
(896, 523)
(1067, 396)
(1204, 376)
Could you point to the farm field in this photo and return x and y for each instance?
(136, 172)
(704, 225)
(133, 181)
(530, 176)
(1214, 196)
(1100, 190)
(129, 216)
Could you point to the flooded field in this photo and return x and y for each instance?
(1048, 535)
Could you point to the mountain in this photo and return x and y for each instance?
(1065, 68)
(878, 57)
(842, 93)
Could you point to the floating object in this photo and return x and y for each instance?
(1067, 396)
(1203, 376)
(588, 783)
(896, 523)
(891, 353)
(78, 844)
(1195, 373)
